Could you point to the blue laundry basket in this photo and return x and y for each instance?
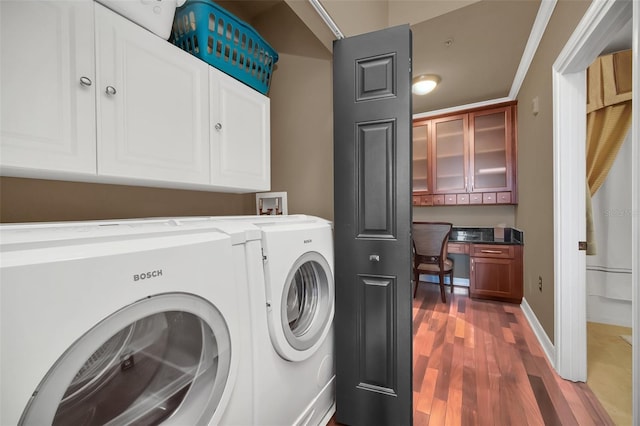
(214, 35)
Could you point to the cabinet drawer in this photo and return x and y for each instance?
(463, 198)
(490, 250)
(504, 197)
(417, 200)
(438, 200)
(450, 199)
(458, 248)
(475, 199)
(489, 198)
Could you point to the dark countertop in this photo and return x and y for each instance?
(486, 235)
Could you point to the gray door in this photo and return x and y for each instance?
(372, 187)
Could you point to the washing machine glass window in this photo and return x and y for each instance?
(164, 359)
(307, 301)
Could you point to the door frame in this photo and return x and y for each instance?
(602, 20)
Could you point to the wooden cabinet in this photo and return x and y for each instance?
(496, 272)
(88, 95)
(471, 157)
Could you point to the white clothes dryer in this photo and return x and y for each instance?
(116, 325)
(292, 307)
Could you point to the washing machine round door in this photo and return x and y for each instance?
(307, 307)
(164, 359)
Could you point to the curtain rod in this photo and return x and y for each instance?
(326, 18)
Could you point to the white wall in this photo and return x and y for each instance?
(609, 291)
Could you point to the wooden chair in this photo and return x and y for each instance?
(430, 253)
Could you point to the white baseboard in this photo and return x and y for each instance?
(547, 346)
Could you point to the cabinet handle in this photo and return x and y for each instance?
(472, 264)
(85, 81)
(218, 126)
(374, 258)
(110, 90)
(473, 182)
(465, 184)
(491, 251)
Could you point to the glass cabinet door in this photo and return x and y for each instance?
(420, 157)
(490, 150)
(450, 144)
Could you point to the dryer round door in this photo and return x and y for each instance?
(164, 359)
(306, 308)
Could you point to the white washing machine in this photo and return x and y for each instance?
(117, 324)
(292, 308)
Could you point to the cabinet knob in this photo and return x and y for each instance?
(110, 90)
(374, 258)
(85, 81)
(218, 126)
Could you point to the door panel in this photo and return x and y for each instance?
(372, 189)
(375, 179)
(491, 150)
(450, 146)
(240, 135)
(421, 181)
(153, 124)
(47, 118)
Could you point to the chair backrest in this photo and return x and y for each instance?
(431, 238)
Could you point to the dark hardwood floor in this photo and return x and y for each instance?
(478, 363)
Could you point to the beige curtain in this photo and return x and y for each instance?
(608, 121)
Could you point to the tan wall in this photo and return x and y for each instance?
(302, 134)
(35, 200)
(357, 17)
(467, 215)
(534, 213)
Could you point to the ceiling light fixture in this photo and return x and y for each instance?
(424, 84)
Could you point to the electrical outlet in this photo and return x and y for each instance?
(540, 282)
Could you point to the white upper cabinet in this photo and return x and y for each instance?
(153, 105)
(88, 95)
(47, 86)
(240, 129)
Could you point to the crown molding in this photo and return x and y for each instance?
(537, 31)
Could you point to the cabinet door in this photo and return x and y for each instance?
(492, 278)
(496, 272)
(47, 115)
(153, 106)
(490, 148)
(449, 154)
(240, 135)
(421, 157)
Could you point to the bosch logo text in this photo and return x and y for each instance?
(147, 275)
